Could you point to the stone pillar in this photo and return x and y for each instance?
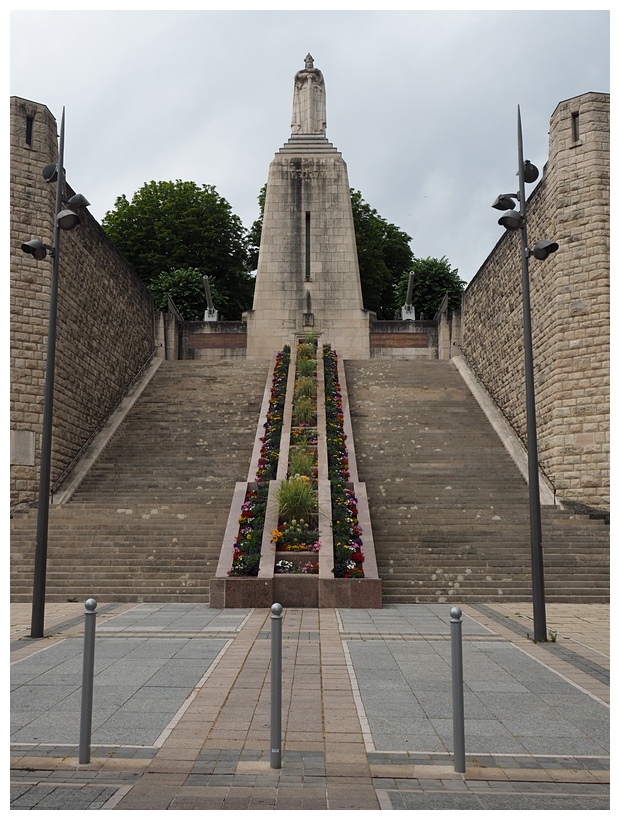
(308, 274)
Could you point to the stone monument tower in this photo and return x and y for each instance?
(308, 274)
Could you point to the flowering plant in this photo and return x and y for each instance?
(287, 567)
(247, 547)
(297, 536)
(348, 553)
(297, 529)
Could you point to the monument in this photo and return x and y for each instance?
(308, 274)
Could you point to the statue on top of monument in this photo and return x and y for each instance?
(309, 113)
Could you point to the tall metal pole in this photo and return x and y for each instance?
(538, 583)
(40, 557)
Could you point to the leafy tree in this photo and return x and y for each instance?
(171, 226)
(187, 291)
(431, 279)
(256, 230)
(383, 254)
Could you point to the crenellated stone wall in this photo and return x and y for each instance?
(570, 308)
(105, 313)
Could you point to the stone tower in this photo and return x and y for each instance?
(308, 274)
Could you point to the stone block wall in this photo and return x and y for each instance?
(214, 340)
(403, 340)
(105, 314)
(570, 308)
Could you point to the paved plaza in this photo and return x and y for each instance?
(181, 709)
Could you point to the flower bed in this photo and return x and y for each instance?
(297, 530)
(247, 548)
(348, 552)
(290, 568)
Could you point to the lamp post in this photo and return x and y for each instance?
(64, 220)
(513, 220)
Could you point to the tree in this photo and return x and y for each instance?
(172, 226)
(432, 278)
(256, 230)
(187, 290)
(383, 253)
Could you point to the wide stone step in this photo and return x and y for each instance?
(450, 510)
(147, 522)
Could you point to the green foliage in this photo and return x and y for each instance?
(301, 461)
(169, 226)
(256, 230)
(304, 386)
(187, 291)
(304, 410)
(306, 350)
(306, 367)
(297, 499)
(432, 278)
(383, 253)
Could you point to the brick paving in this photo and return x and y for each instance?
(214, 753)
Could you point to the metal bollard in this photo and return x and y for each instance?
(276, 686)
(88, 670)
(458, 713)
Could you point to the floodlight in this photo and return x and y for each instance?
(512, 221)
(530, 172)
(36, 248)
(67, 220)
(50, 172)
(505, 202)
(542, 249)
(78, 201)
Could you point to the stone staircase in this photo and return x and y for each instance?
(147, 522)
(450, 510)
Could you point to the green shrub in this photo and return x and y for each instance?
(297, 499)
(306, 367)
(301, 461)
(305, 386)
(304, 410)
(306, 351)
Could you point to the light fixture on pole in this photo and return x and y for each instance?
(65, 220)
(516, 220)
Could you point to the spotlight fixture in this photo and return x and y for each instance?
(505, 202)
(67, 220)
(512, 221)
(50, 172)
(78, 201)
(543, 248)
(530, 172)
(36, 248)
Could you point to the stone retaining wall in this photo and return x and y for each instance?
(570, 307)
(105, 313)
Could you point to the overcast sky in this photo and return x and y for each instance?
(421, 104)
